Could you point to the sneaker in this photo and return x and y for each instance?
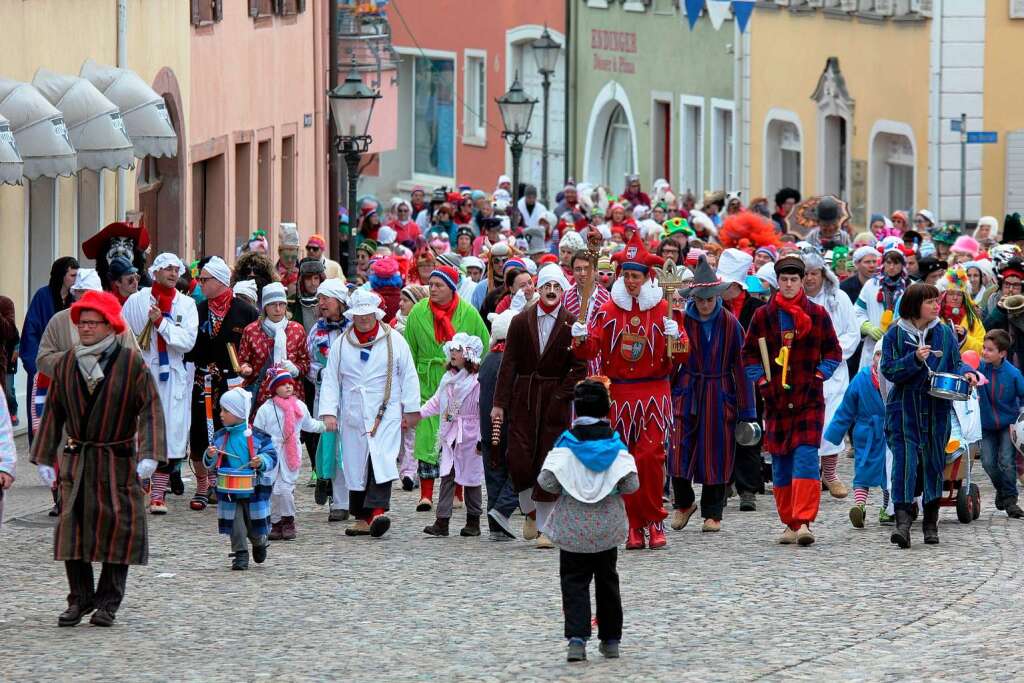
(748, 502)
(157, 507)
(680, 518)
(503, 523)
(577, 650)
(609, 648)
(857, 513)
(885, 519)
(788, 536)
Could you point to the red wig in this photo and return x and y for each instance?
(747, 230)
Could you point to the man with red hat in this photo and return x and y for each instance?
(431, 323)
(118, 240)
(640, 342)
(316, 248)
(802, 353)
(104, 397)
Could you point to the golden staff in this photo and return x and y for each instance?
(146, 335)
(671, 280)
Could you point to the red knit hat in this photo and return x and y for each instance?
(385, 267)
(546, 259)
(636, 257)
(448, 274)
(104, 303)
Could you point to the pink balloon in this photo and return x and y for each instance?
(971, 358)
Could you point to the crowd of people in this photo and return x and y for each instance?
(585, 365)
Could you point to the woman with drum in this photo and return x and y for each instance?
(921, 359)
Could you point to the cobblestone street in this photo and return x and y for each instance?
(727, 606)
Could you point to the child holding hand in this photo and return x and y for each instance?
(1001, 400)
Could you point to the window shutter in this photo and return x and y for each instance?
(218, 10)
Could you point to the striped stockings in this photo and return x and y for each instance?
(158, 485)
(828, 468)
(860, 496)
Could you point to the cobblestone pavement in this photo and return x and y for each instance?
(726, 606)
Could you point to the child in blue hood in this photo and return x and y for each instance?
(1000, 400)
(590, 469)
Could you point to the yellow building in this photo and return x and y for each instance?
(838, 103)
(46, 218)
(1003, 106)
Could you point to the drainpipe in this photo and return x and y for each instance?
(569, 130)
(122, 62)
(738, 112)
(935, 114)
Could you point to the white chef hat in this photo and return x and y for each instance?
(167, 259)
(364, 302)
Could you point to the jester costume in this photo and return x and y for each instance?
(629, 334)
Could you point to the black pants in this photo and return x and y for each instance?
(576, 571)
(712, 498)
(107, 595)
(376, 496)
(310, 439)
(749, 471)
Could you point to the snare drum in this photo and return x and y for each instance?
(950, 387)
(237, 482)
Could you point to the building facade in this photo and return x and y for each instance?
(457, 57)
(650, 96)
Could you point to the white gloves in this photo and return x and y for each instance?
(145, 468)
(579, 329)
(518, 301)
(47, 474)
(290, 367)
(671, 328)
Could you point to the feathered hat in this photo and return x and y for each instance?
(747, 230)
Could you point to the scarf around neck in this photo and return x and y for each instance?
(90, 360)
(164, 300)
(597, 454)
(220, 304)
(292, 412)
(890, 289)
(443, 328)
(276, 331)
(795, 308)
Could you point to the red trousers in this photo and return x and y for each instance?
(644, 507)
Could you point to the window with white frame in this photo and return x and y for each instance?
(692, 146)
(721, 151)
(474, 124)
(434, 108)
(892, 173)
(782, 156)
(618, 149)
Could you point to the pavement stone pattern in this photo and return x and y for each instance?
(718, 607)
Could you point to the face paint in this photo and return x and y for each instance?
(121, 246)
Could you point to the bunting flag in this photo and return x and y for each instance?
(693, 10)
(718, 12)
(743, 9)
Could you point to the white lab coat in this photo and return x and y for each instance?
(180, 334)
(270, 419)
(361, 383)
(840, 310)
(866, 309)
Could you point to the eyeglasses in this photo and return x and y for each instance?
(203, 280)
(90, 324)
(313, 249)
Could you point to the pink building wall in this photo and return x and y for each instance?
(256, 81)
(457, 25)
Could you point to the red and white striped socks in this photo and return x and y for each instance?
(828, 468)
(860, 496)
(158, 485)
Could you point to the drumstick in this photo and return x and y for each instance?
(762, 343)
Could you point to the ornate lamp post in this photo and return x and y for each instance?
(516, 108)
(352, 106)
(545, 51)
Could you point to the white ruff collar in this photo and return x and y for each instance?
(650, 295)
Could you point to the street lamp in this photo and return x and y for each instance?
(516, 108)
(352, 106)
(545, 51)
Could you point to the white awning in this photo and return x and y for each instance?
(144, 112)
(11, 166)
(39, 131)
(94, 122)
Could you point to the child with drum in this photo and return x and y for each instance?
(917, 351)
(1002, 399)
(245, 461)
(283, 417)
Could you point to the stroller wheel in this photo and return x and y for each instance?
(964, 513)
(975, 502)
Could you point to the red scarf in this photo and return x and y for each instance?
(220, 304)
(164, 298)
(736, 304)
(365, 337)
(795, 308)
(548, 309)
(443, 330)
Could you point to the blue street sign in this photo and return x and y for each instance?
(982, 137)
(954, 125)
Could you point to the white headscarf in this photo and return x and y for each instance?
(219, 270)
(168, 259)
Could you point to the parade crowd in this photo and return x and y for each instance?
(587, 365)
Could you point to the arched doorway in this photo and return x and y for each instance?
(159, 189)
(610, 152)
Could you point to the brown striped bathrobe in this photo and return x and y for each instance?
(108, 524)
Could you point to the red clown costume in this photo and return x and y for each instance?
(630, 333)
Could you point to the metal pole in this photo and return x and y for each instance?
(963, 173)
(544, 144)
(352, 157)
(517, 152)
(333, 172)
(122, 62)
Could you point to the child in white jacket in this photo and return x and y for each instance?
(283, 417)
(8, 455)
